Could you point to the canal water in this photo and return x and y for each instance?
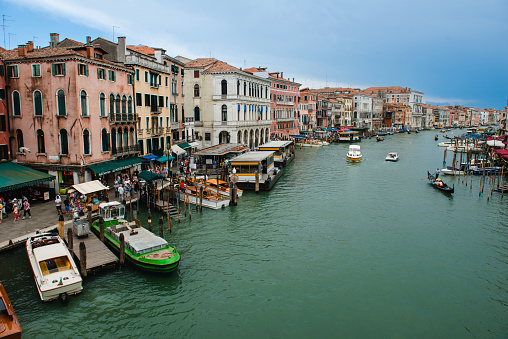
(335, 249)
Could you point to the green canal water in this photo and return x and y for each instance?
(336, 249)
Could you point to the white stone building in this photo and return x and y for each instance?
(225, 104)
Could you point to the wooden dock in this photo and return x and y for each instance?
(98, 256)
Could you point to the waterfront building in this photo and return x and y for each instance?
(308, 100)
(367, 111)
(345, 109)
(441, 116)
(283, 102)
(427, 116)
(322, 118)
(397, 94)
(5, 150)
(70, 108)
(400, 115)
(225, 104)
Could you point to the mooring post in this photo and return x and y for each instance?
(149, 221)
(70, 241)
(82, 258)
(101, 228)
(200, 198)
(61, 226)
(161, 227)
(257, 182)
(122, 249)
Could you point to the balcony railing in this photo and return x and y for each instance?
(125, 150)
(157, 131)
(154, 85)
(157, 110)
(123, 117)
(140, 131)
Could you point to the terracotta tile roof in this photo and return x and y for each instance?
(220, 66)
(77, 43)
(389, 89)
(200, 63)
(143, 50)
(252, 70)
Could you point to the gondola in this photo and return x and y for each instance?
(379, 138)
(435, 182)
(436, 137)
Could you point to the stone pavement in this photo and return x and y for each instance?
(44, 218)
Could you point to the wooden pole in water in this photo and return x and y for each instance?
(130, 203)
(82, 258)
(101, 228)
(161, 227)
(256, 188)
(453, 163)
(122, 249)
(444, 158)
(189, 205)
(201, 198)
(502, 182)
(70, 241)
(217, 182)
(60, 226)
(149, 221)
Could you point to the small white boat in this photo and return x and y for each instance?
(311, 143)
(450, 171)
(354, 154)
(392, 157)
(55, 273)
(324, 143)
(210, 198)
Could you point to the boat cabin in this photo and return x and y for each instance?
(349, 136)
(111, 210)
(248, 164)
(284, 151)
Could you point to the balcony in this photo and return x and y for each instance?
(285, 119)
(285, 103)
(157, 110)
(140, 131)
(123, 118)
(175, 125)
(154, 84)
(125, 150)
(157, 131)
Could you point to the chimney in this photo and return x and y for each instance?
(55, 39)
(88, 40)
(30, 46)
(120, 49)
(158, 55)
(22, 50)
(90, 52)
(282, 75)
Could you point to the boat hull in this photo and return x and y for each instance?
(263, 185)
(354, 158)
(9, 324)
(114, 245)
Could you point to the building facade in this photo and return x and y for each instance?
(69, 108)
(5, 151)
(225, 104)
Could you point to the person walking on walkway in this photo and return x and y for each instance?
(26, 209)
(15, 209)
(120, 192)
(58, 203)
(1, 209)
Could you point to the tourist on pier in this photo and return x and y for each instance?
(67, 206)
(116, 185)
(58, 204)
(26, 209)
(120, 192)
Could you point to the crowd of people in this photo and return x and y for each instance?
(15, 206)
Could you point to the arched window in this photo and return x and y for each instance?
(105, 140)
(129, 104)
(41, 148)
(224, 115)
(60, 101)
(38, 103)
(124, 104)
(19, 138)
(84, 103)
(244, 88)
(238, 87)
(102, 104)
(86, 142)
(224, 87)
(64, 142)
(196, 114)
(196, 90)
(113, 141)
(117, 103)
(16, 105)
(111, 104)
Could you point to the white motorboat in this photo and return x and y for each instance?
(56, 275)
(392, 157)
(354, 154)
(450, 171)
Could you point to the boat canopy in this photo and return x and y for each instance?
(90, 187)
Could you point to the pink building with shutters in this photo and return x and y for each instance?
(5, 153)
(68, 108)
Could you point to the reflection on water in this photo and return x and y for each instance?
(365, 250)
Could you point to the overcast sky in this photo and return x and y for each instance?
(455, 51)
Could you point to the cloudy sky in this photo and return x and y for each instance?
(455, 51)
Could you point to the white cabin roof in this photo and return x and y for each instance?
(276, 144)
(253, 156)
(49, 252)
(354, 147)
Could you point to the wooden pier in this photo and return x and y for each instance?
(98, 256)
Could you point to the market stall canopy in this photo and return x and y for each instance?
(149, 176)
(115, 165)
(178, 150)
(150, 157)
(165, 158)
(14, 176)
(184, 145)
(89, 187)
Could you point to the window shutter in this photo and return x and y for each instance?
(98, 73)
(63, 69)
(86, 70)
(53, 69)
(114, 76)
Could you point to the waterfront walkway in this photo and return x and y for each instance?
(44, 218)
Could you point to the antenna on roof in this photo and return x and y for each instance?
(114, 32)
(10, 38)
(4, 25)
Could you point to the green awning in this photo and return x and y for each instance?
(165, 158)
(115, 165)
(149, 176)
(184, 145)
(14, 176)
